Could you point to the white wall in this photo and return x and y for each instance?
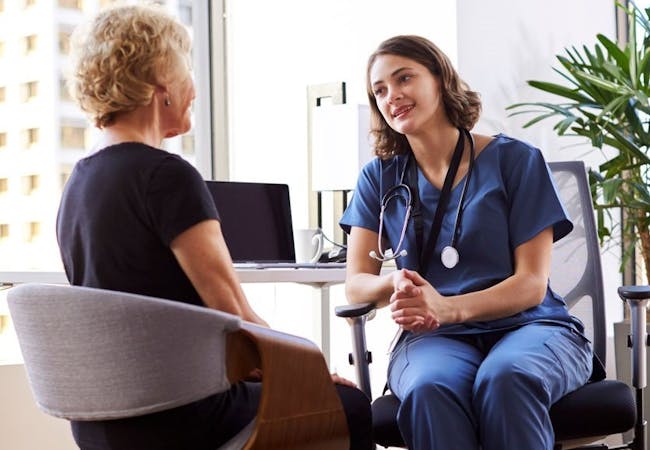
(277, 49)
(501, 45)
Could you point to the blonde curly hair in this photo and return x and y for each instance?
(119, 58)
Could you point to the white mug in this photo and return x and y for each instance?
(308, 244)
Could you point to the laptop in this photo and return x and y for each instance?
(257, 225)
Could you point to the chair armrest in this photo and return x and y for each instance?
(354, 310)
(357, 314)
(299, 405)
(634, 292)
(637, 298)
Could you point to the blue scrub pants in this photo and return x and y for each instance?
(491, 391)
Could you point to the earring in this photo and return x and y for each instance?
(167, 101)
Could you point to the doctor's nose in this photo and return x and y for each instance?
(394, 94)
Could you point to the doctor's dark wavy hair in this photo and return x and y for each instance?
(463, 106)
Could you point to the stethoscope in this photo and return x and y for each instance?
(449, 255)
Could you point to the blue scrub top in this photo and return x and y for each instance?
(511, 197)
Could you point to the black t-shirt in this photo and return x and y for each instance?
(120, 210)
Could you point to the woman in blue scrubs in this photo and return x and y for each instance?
(486, 347)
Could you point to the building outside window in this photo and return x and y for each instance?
(30, 184)
(3, 94)
(30, 43)
(29, 90)
(3, 140)
(4, 231)
(33, 231)
(71, 4)
(73, 137)
(4, 185)
(64, 42)
(64, 92)
(30, 137)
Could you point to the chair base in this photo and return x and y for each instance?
(607, 407)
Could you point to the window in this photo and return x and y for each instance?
(185, 13)
(73, 137)
(64, 92)
(4, 185)
(30, 184)
(64, 42)
(71, 4)
(4, 230)
(29, 90)
(30, 43)
(30, 137)
(33, 231)
(20, 124)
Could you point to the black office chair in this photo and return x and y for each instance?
(599, 408)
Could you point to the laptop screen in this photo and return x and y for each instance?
(255, 220)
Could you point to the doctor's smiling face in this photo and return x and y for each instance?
(412, 85)
(407, 94)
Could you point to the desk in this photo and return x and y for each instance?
(320, 279)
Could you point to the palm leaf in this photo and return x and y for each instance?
(614, 51)
(562, 91)
(606, 100)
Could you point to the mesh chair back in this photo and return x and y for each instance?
(93, 354)
(576, 272)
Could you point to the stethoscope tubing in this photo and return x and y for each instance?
(408, 201)
(392, 194)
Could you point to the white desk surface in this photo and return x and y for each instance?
(314, 277)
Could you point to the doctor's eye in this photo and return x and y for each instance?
(378, 92)
(404, 78)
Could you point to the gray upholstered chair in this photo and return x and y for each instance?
(599, 408)
(93, 354)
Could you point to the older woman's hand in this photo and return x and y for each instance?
(337, 379)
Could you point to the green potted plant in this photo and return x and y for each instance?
(605, 100)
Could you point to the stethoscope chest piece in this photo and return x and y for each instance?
(449, 257)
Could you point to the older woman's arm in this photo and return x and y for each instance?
(204, 257)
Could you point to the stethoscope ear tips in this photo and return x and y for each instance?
(373, 254)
